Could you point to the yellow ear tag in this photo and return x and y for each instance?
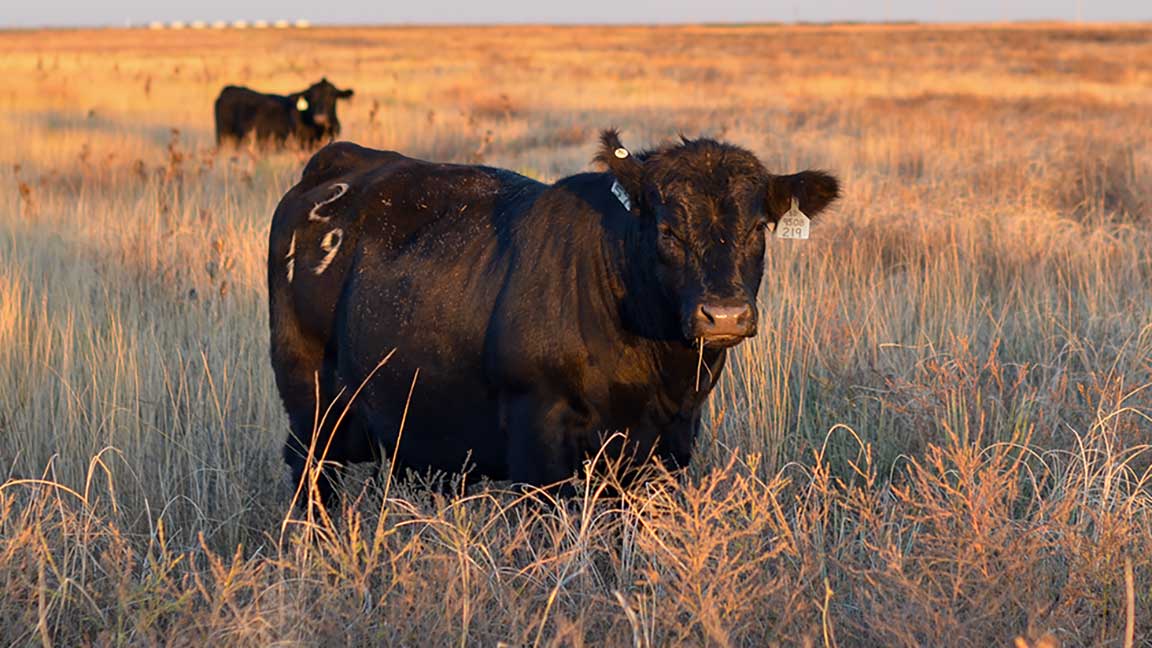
(794, 224)
(301, 104)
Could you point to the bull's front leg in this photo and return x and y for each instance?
(545, 436)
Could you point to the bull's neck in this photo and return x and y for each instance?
(643, 308)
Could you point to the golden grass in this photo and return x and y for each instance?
(940, 438)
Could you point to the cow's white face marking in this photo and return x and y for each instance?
(330, 244)
(291, 256)
(314, 215)
(301, 104)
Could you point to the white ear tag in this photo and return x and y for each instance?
(301, 104)
(794, 224)
(621, 194)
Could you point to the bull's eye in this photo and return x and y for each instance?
(670, 246)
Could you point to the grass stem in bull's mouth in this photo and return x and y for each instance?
(699, 360)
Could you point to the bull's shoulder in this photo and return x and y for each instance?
(588, 205)
(435, 186)
(596, 192)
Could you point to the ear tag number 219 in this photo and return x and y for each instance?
(794, 224)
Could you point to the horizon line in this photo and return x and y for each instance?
(270, 24)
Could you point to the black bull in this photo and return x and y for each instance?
(308, 117)
(540, 317)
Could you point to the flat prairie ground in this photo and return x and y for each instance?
(939, 438)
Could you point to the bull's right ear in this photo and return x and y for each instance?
(628, 170)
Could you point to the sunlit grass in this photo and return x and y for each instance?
(939, 437)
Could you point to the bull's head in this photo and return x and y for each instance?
(705, 209)
(317, 105)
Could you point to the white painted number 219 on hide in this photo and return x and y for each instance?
(329, 244)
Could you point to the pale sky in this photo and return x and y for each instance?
(120, 12)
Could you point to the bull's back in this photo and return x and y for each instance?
(348, 193)
(241, 110)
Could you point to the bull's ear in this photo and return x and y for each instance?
(814, 190)
(620, 162)
(344, 94)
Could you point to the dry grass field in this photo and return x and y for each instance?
(940, 438)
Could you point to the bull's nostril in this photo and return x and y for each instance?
(708, 316)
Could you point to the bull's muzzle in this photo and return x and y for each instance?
(721, 324)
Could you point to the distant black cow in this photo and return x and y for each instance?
(539, 316)
(309, 117)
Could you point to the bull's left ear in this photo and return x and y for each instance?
(622, 164)
(344, 94)
(814, 190)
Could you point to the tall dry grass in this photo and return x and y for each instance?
(940, 438)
